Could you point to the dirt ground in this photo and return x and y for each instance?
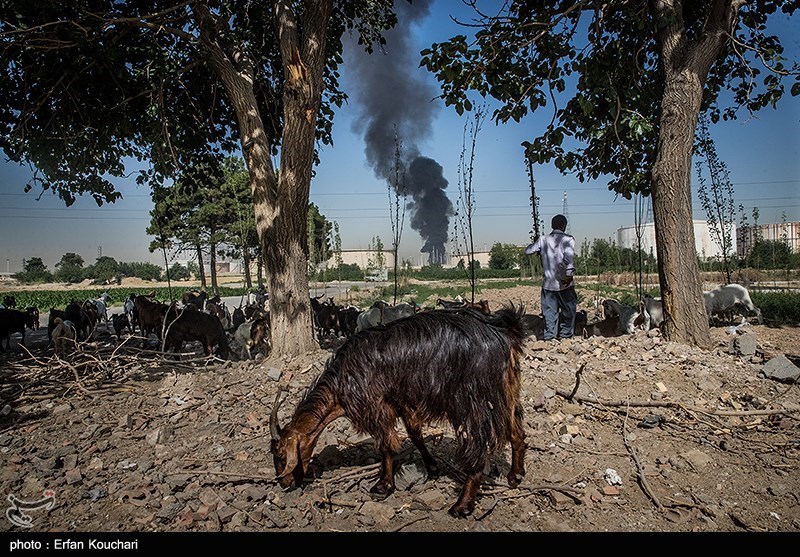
(657, 437)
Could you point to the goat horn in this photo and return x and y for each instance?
(274, 428)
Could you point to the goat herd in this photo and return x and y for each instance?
(207, 320)
(195, 318)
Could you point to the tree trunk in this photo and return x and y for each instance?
(681, 286)
(281, 206)
(303, 52)
(248, 282)
(213, 265)
(686, 64)
(201, 265)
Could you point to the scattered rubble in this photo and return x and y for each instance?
(624, 434)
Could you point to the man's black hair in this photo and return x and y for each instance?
(559, 222)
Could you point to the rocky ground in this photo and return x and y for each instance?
(657, 437)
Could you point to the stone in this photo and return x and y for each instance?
(572, 430)
(696, 458)
(781, 368)
(257, 492)
(73, 476)
(62, 409)
(159, 436)
(379, 512)
(410, 474)
(744, 344)
(432, 499)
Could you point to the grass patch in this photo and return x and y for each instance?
(46, 299)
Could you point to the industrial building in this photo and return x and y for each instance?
(705, 246)
(788, 232)
(742, 238)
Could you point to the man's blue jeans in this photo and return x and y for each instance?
(558, 309)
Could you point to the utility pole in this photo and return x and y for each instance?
(565, 211)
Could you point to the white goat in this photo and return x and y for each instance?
(101, 304)
(128, 307)
(653, 312)
(64, 336)
(721, 301)
(251, 334)
(628, 315)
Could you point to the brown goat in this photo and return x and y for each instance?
(462, 367)
(481, 305)
(149, 315)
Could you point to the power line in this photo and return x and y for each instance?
(522, 190)
(359, 213)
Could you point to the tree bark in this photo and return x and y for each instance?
(302, 45)
(679, 274)
(686, 65)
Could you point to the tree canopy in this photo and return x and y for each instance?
(598, 71)
(86, 85)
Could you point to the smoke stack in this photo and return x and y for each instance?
(392, 95)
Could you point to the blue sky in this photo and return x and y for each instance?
(762, 154)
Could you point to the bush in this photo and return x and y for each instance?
(179, 272)
(36, 277)
(144, 271)
(104, 271)
(778, 308)
(345, 271)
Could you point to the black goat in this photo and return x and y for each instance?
(14, 321)
(187, 325)
(195, 297)
(435, 365)
(80, 319)
(237, 318)
(120, 322)
(33, 311)
(326, 317)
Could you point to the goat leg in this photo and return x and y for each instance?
(414, 429)
(518, 446)
(465, 504)
(385, 484)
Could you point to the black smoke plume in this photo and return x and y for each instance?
(392, 95)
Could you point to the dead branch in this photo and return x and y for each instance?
(668, 404)
(639, 468)
(577, 381)
(269, 479)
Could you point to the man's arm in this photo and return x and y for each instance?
(569, 261)
(535, 247)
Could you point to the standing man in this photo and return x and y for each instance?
(559, 301)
